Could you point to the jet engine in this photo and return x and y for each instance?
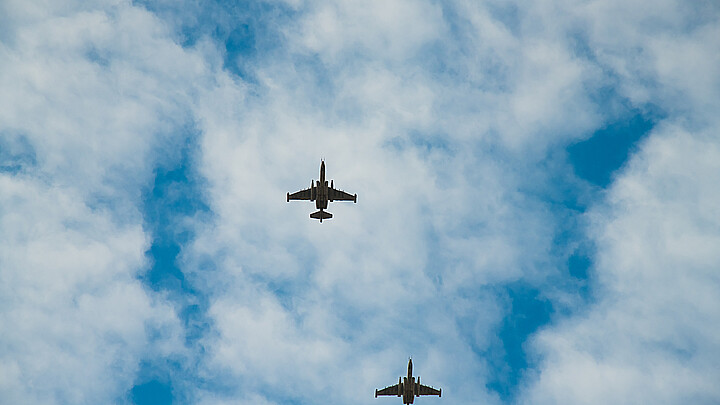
(313, 191)
(417, 387)
(400, 386)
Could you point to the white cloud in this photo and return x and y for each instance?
(392, 30)
(664, 54)
(75, 320)
(653, 335)
(94, 96)
(96, 93)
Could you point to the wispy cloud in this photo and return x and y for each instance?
(91, 98)
(651, 335)
(75, 320)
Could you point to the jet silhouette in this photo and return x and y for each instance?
(321, 193)
(408, 388)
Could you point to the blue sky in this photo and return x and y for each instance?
(536, 217)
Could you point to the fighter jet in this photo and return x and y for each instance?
(408, 388)
(321, 194)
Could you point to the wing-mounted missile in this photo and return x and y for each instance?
(330, 192)
(313, 190)
(417, 387)
(400, 387)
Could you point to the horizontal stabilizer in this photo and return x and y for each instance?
(321, 215)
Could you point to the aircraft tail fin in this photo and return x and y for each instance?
(321, 215)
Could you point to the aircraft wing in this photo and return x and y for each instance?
(392, 390)
(425, 390)
(300, 195)
(339, 195)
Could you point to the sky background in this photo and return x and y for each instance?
(538, 214)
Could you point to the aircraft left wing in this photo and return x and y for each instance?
(425, 390)
(339, 195)
(300, 195)
(393, 390)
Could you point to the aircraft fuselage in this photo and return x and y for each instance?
(409, 386)
(321, 190)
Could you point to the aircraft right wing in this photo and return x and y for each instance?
(425, 390)
(393, 390)
(300, 195)
(339, 195)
